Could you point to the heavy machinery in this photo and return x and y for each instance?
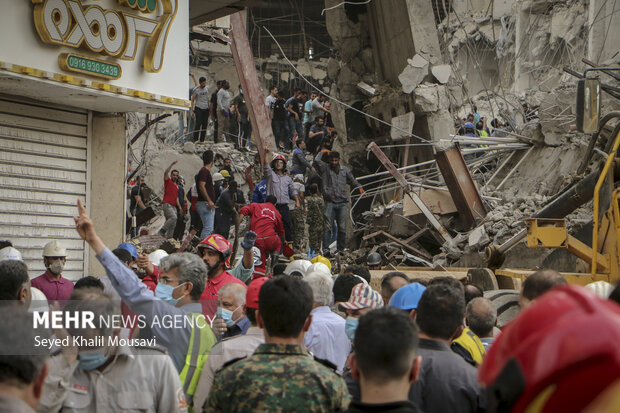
(547, 229)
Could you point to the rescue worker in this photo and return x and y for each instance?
(374, 261)
(180, 285)
(107, 377)
(558, 355)
(266, 221)
(215, 251)
(51, 282)
(280, 185)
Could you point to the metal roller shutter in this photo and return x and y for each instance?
(43, 170)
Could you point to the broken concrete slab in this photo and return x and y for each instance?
(333, 67)
(366, 89)
(426, 98)
(403, 123)
(438, 202)
(189, 147)
(414, 73)
(478, 237)
(442, 73)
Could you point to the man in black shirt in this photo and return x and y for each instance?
(385, 361)
(136, 203)
(279, 120)
(213, 109)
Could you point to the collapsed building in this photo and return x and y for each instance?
(402, 74)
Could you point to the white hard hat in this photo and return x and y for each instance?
(218, 177)
(319, 267)
(54, 249)
(39, 301)
(300, 266)
(10, 253)
(256, 254)
(601, 288)
(156, 256)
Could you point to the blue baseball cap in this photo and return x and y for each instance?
(407, 297)
(469, 125)
(131, 248)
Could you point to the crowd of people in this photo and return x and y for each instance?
(298, 339)
(296, 203)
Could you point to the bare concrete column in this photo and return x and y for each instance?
(604, 34)
(423, 27)
(108, 167)
(522, 78)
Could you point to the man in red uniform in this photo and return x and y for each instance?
(215, 251)
(266, 221)
(170, 203)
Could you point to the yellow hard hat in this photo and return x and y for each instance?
(225, 173)
(321, 259)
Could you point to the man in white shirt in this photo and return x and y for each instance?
(326, 338)
(200, 109)
(223, 111)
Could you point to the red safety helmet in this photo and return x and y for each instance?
(220, 244)
(558, 355)
(278, 158)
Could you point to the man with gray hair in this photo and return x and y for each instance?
(14, 283)
(232, 321)
(95, 371)
(481, 317)
(326, 338)
(182, 280)
(23, 365)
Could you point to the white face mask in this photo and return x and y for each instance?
(57, 267)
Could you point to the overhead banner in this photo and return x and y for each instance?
(134, 44)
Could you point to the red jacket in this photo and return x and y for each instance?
(266, 221)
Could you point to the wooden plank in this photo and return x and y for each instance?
(39, 112)
(42, 148)
(411, 249)
(42, 125)
(416, 236)
(37, 136)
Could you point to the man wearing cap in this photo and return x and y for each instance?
(297, 214)
(51, 282)
(374, 261)
(407, 297)
(326, 338)
(237, 347)
(363, 299)
(280, 185)
(281, 375)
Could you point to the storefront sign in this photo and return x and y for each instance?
(109, 32)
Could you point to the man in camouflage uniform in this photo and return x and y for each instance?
(316, 208)
(297, 215)
(281, 375)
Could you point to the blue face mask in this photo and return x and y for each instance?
(164, 293)
(350, 326)
(227, 316)
(90, 361)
